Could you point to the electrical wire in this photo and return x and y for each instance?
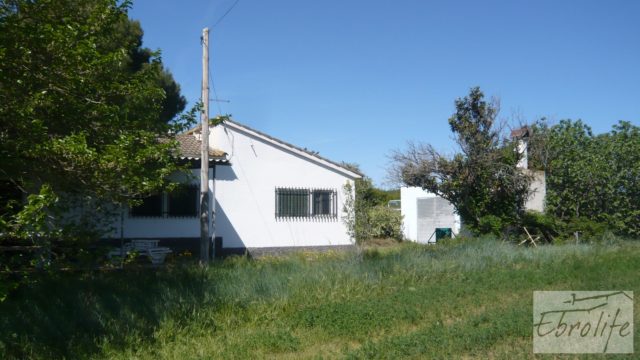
(213, 85)
(215, 94)
(225, 14)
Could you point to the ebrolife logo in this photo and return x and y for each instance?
(581, 322)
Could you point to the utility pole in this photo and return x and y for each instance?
(204, 158)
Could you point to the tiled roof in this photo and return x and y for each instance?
(190, 147)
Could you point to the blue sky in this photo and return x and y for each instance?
(356, 79)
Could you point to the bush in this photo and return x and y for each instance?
(385, 222)
(544, 225)
(490, 224)
(551, 229)
(586, 227)
(364, 219)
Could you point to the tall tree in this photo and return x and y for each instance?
(84, 109)
(591, 178)
(480, 180)
(130, 32)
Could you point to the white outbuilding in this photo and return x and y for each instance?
(426, 216)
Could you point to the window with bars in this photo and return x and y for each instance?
(322, 202)
(305, 203)
(151, 206)
(182, 202)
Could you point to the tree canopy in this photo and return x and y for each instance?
(482, 179)
(591, 178)
(85, 110)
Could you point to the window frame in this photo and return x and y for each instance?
(133, 213)
(192, 190)
(309, 208)
(165, 206)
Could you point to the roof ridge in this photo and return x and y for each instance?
(304, 150)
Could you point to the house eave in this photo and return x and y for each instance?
(294, 149)
(194, 162)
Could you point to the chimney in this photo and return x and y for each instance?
(521, 135)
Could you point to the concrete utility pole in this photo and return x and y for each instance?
(204, 158)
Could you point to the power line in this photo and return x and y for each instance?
(213, 86)
(225, 14)
(215, 94)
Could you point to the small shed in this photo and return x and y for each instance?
(427, 216)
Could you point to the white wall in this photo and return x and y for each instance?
(409, 209)
(538, 192)
(245, 193)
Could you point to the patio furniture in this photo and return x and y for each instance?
(149, 248)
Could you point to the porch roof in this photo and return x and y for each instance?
(190, 148)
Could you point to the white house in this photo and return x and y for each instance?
(270, 196)
(424, 212)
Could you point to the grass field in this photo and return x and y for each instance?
(466, 299)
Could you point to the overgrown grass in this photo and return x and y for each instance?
(468, 299)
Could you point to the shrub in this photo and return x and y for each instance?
(385, 222)
(586, 227)
(365, 219)
(545, 225)
(551, 229)
(489, 224)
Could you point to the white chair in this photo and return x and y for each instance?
(157, 255)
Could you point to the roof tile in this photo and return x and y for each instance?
(190, 147)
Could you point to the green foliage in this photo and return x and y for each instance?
(482, 179)
(381, 197)
(385, 222)
(349, 211)
(465, 298)
(547, 226)
(586, 227)
(87, 118)
(591, 178)
(551, 229)
(78, 110)
(490, 224)
(366, 214)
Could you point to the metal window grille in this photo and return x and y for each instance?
(183, 202)
(305, 203)
(292, 202)
(322, 203)
(151, 206)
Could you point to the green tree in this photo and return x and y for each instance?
(366, 213)
(85, 115)
(591, 178)
(129, 32)
(482, 179)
